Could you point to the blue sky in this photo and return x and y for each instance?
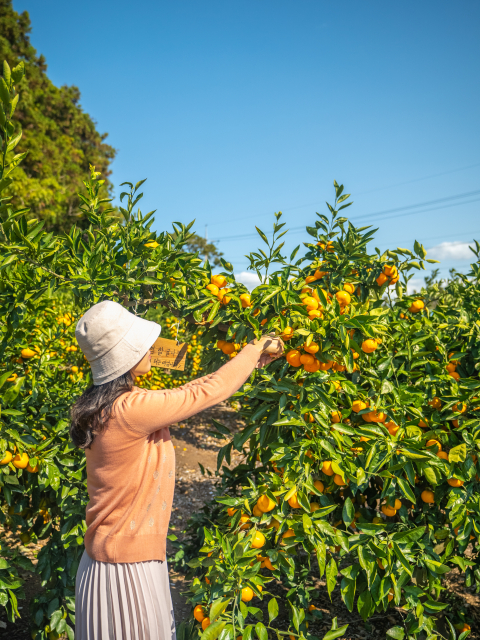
(234, 110)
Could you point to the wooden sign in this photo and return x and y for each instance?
(168, 354)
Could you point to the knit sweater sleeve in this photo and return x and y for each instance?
(147, 411)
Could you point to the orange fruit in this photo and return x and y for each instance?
(219, 281)
(461, 407)
(198, 613)
(391, 595)
(377, 416)
(319, 486)
(433, 443)
(428, 496)
(310, 303)
(257, 512)
(390, 270)
(213, 289)
(392, 427)
(28, 353)
(349, 287)
(231, 511)
(388, 511)
(8, 458)
(398, 504)
(416, 306)
(450, 367)
(258, 540)
(265, 504)
(289, 533)
(325, 366)
(228, 348)
(358, 405)
(338, 480)
(205, 623)
(379, 562)
(293, 502)
(336, 416)
(247, 594)
(315, 313)
(435, 402)
(382, 278)
(20, 461)
(443, 455)
(287, 333)
(293, 358)
(327, 468)
(312, 368)
(307, 358)
(454, 375)
(343, 298)
(314, 506)
(455, 482)
(309, 279)
(245, 300)
(32, 469)
(369, 346)
(312, 348)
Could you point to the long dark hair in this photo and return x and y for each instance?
(93, 409)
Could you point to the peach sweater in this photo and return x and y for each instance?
(131, 464)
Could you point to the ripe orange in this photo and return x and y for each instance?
(343, 298)
(338, 366)
(454, 375)
(338, 480)
(327, 468)
(310, 303)
(315, 313)
(369, 346)
(307, 358)
(433, 443)
(382, 278)
(265, 504)
(228, 348)
(8, 458)
(245, 520)
(388, 511)
(336, 416)
(258, 540)
(287, 333)
(392, 427)
(443, 455)
(325, 366)
(435, 402)
(247, 594)
(289, 533)
(312, 368)
(358, 405)
(231, 511)
(293, 502)
(205, 623)
(309, 279)
(245, 300)
(257, 512)
(390, 270)
(319, 486)
(416, 306)
(312, 348)
(398, 504)
(377, 416)
(461, 407)
(198, 613)
(28, 353)
(220, 281)
(314, 506)
(391, 595)
(213, 289)
(20, 461)
(455, 482)
(428, 496)
(293, 358)
(349, 287)
(32, 469)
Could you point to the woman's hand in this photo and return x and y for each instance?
(271, 347)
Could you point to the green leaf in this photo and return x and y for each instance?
(213, 631)
(396, 632)
(335, 633)
(218, 607)
(272, 609)
(406, 489)
(261, 631)
(331, 575)
(458, 453)
(348, 512)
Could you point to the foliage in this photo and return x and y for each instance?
(61, 139)
(361, 445)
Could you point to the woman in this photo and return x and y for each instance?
(122, 588)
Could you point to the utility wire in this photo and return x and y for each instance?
(384, 213)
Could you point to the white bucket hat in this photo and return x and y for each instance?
(113, 339)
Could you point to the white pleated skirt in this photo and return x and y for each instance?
(123, 601)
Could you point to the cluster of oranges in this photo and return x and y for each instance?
(389, 274)
(218, 288)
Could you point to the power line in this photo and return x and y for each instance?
(398, 184)
(383, 213)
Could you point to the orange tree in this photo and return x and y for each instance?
(362, 441)
(345, 437)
